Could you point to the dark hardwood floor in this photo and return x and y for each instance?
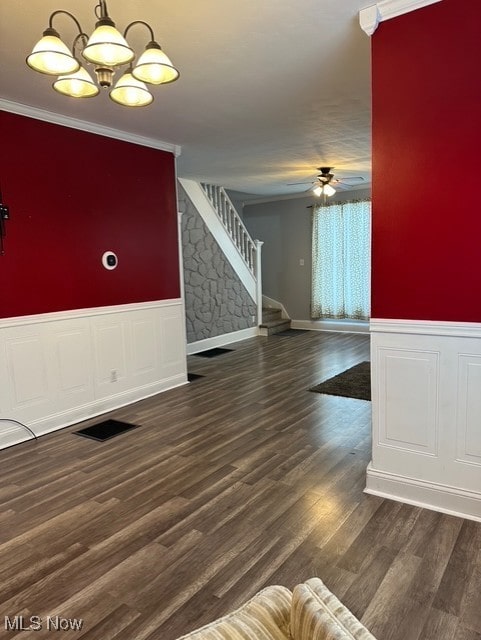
(241, 479)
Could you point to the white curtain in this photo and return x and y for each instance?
(341, 260)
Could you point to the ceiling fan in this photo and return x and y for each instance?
(322, 184)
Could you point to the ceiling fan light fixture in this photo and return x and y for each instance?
(51, 56)
(323, 189)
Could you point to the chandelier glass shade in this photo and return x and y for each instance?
(131, 92)
(51, 56)
(107, 49)
(106, 46)
(154, 66)
(77, 85)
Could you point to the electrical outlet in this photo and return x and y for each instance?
(253, 318)
(113, 375)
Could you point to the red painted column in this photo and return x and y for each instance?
(426, 258)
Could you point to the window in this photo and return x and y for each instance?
(341, 260)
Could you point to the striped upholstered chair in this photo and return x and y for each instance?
(309, 612)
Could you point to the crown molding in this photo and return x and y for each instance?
(90, 127)
(370, 17)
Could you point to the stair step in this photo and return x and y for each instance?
(274, 326)
(271, 314)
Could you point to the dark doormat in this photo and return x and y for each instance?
(290, 332)
(352, 383)
(193, 376)
(211, 353)
(106, 430)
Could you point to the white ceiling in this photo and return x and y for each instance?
(269, 90)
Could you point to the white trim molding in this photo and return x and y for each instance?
(339, 326)
(428, 495)
(205, 209)
(70, 314)
(222, 340)
(427, 327)
(57, 369)
(370, 17)
(90, 127)
(426, 414)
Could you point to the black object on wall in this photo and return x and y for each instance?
(4, 215)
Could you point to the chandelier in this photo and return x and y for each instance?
(106, 49)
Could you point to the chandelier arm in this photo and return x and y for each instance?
(67, 13)
(80, 37)
(139, 22)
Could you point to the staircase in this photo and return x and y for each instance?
(273, 322)
(224, 223)
(244, 254)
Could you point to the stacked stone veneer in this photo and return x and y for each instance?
(216, 301)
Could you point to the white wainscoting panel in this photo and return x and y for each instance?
(426, 404)
(171, 332)
(110, 349)
(145, 347)
(60, 368)
(70, 343)
(26, 357)
(408, 379)
(469, 409)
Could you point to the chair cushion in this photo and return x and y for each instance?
(264, 617)
(318, 615)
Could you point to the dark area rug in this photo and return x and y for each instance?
(105, 430)
(212, 353)
(352, 383)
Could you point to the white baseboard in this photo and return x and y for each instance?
(87, 411)
(61, 368)
(347, 326)
(220, 341)
(420, 493)
(98, 407)
(12, 434)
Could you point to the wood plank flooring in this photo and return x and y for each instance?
(241, 479)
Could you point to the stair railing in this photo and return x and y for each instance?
(233, 224)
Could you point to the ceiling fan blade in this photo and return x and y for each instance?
(290, 184)
(350, 179)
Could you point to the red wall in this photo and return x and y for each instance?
(72, 196)
(426, 164)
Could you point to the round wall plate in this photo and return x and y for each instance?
(110, 260)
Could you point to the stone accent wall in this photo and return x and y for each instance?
(216, 301)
